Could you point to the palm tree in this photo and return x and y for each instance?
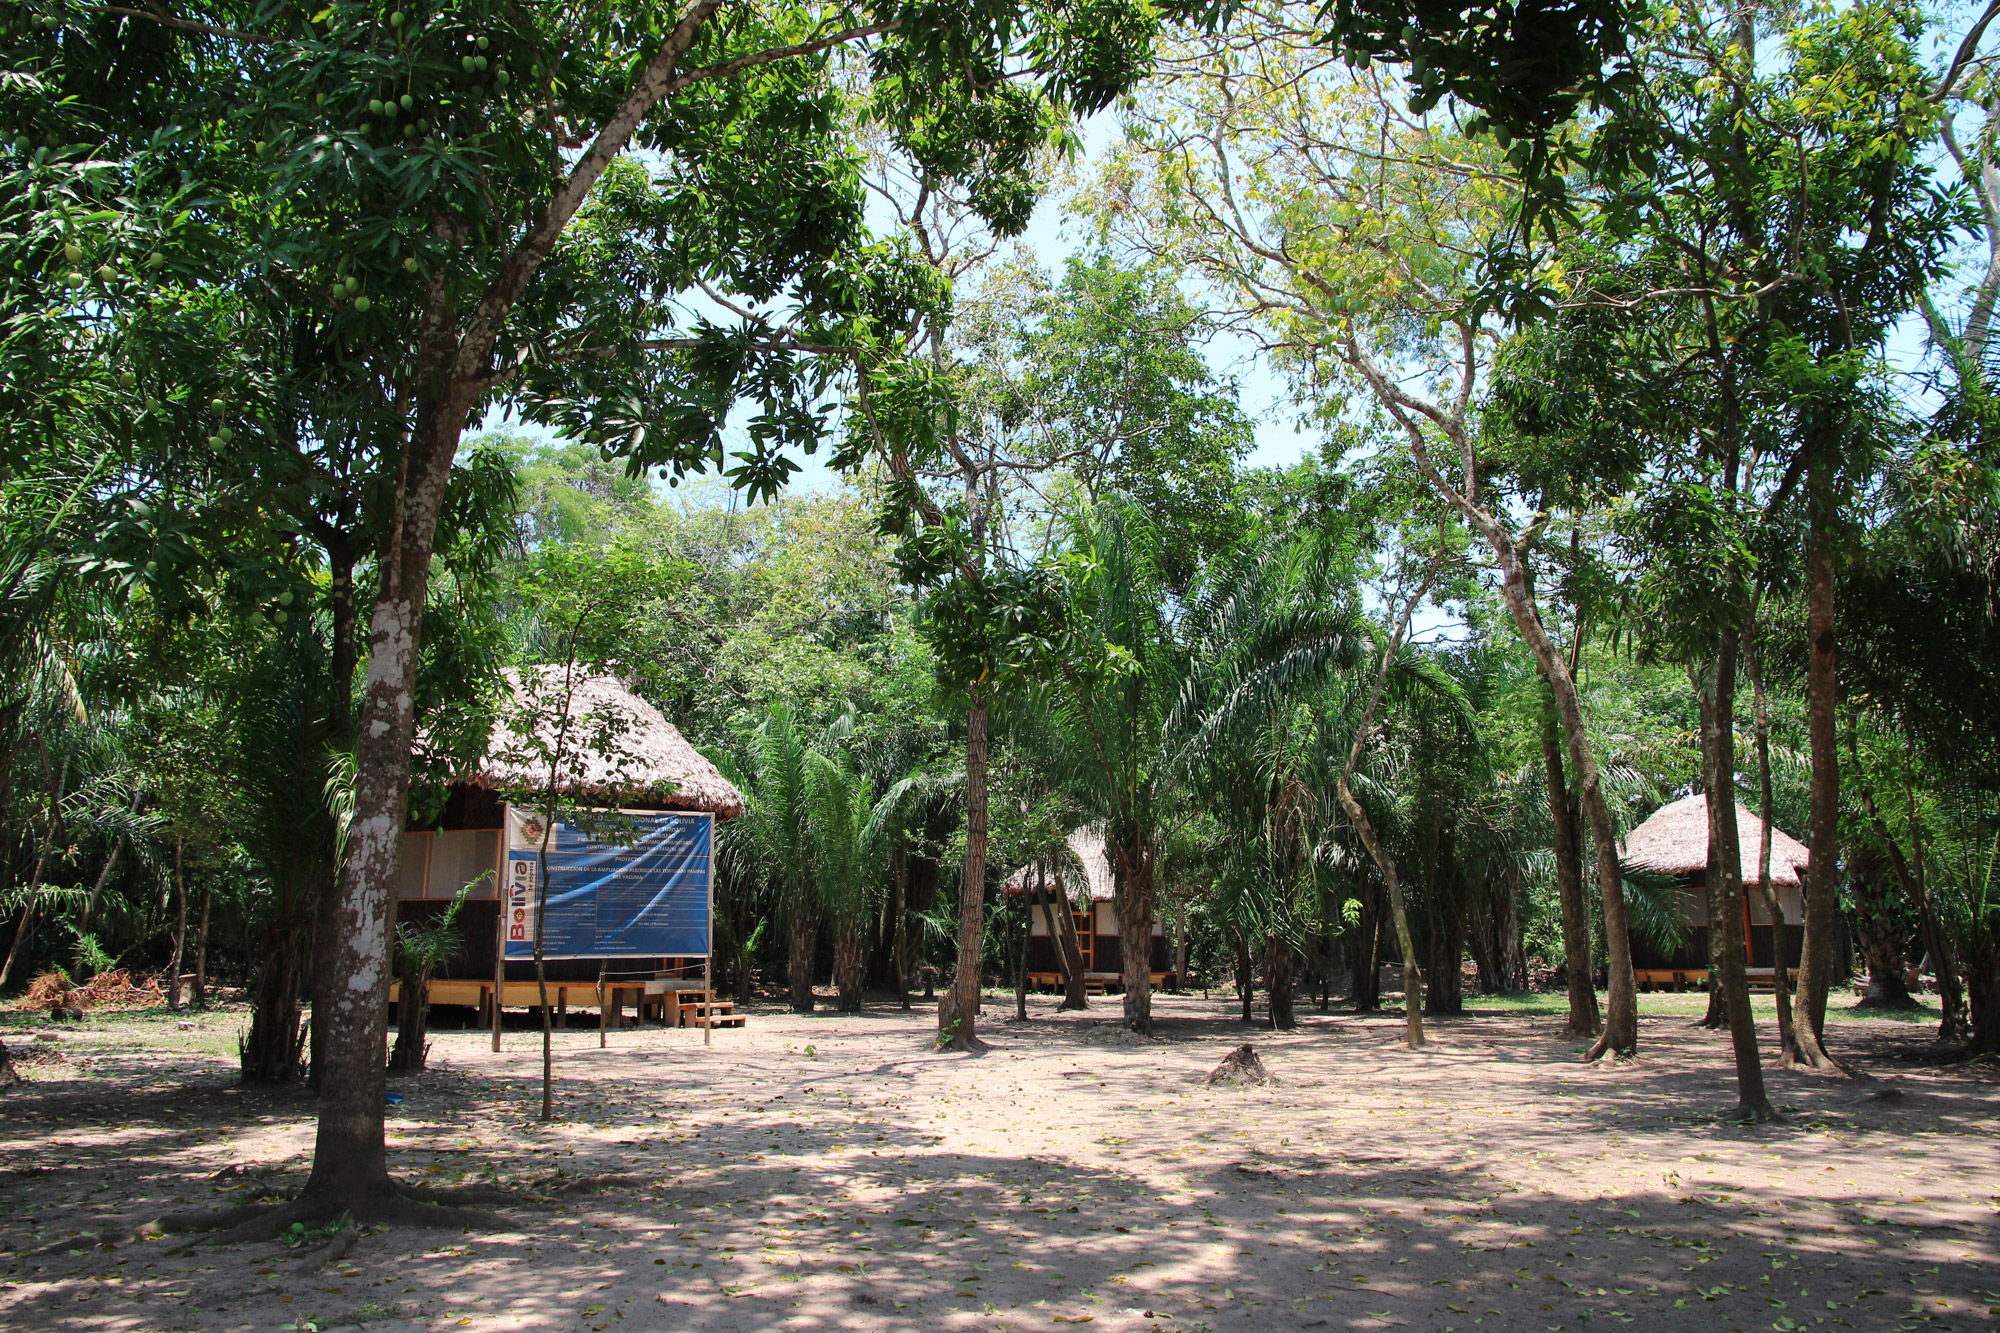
(1272, 622)
(1114, 680)
(282, 709)
(776, 822)
(849, 834)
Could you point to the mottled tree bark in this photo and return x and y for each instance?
(322, 906)
(350, 1165)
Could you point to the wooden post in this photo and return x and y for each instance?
(499, 957)
(603, 1009)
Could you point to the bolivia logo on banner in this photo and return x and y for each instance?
(642, 891)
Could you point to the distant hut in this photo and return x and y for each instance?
(1672, 844)
(649, 766)
(1083, 875)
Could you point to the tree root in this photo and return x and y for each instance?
(1745, 1114)
(391, 1205)
(1602, 1049)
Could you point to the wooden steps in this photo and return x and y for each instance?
(689, 1012)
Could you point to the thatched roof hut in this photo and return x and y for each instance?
(1089, 869)
(1674, 841)
(623, 748)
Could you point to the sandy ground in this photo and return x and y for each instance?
(835, 1172)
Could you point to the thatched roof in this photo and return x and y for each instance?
(1088, 868)
(617, 746)
(1674, 841)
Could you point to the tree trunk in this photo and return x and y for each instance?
(1364, 974)
(23, 929)
(802, 940)
(1954, 1025)
(958, 1011)
(1509, 950)
(1725, 878)
(548, 1111)
(1621, 1029)
(1413, 977)
(52, 814)
(270, 1052)
(1822, 684)
(350, 1164)
(1446, 991)
(97, 889)
(201, 950)
(103, 878)
(180, 932)
(1620, 1035)
(1881, 930)
(1767, 813)
(1579, 971)
(1076, 992)
(1246, 976)
(1026, 931)
(1278, 979)
(850, 957)
(1180, 946)
(899, 872)
(1133, 866)
(1982, 984)
(1480, 937)
(413, 1014)
(324, 906)
(1413, 973)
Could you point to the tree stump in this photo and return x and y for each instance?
(8, 1075)
(1242, 1067)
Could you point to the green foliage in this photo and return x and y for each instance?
(427, 945)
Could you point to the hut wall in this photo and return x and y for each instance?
(478, 931)
(1691, 955)
(1043, 956)
(1107, 949)
(469, 807)
(1694, 914)
(1097, 935)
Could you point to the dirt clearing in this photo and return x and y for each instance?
(835, 1172)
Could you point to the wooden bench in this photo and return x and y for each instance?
(689, 1010)
(1094, 983)
(1675, 978)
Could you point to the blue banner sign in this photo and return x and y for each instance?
(646, 897)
